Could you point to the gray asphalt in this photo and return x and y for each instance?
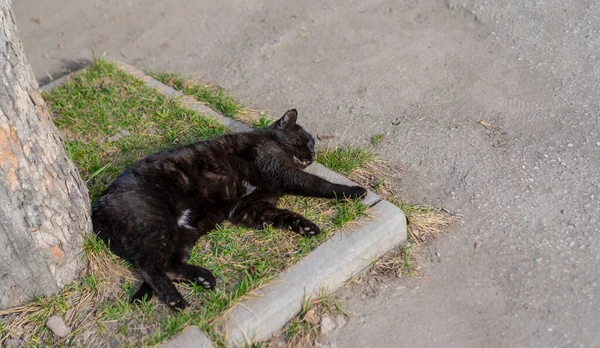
(425, 73)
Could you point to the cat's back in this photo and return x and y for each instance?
(151, 181)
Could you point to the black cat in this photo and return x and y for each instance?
(155, 211)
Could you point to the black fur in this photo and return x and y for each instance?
(155, 211)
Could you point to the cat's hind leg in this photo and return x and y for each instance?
(256, 213)
(163, 287)
(145, 290)
(181, 273)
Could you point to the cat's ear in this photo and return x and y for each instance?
(287, 120)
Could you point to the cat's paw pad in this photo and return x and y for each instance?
(305, 228)
(355, 192)
(206, 280)
(176, 302)
(206, 283)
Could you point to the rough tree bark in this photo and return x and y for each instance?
(44, 205)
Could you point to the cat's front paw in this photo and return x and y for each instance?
(355, 192)
(305, 227)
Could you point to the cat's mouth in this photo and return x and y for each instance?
(302, 163)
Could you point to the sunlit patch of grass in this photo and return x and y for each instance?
(347, 211)
(263, 121)
(344, 160)
(111, 119)
(213, 95)
(94, 245)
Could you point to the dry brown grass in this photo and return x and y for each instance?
(424, 223)
(303, 330)
(100, 280)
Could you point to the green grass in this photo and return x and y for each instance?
(213, 95)
(377, 139)
(407, 260)
(347, 211)
(109, 120)
(94, 245)
(92, 281)
(104, 102)
(263, 121)
(116, 310)
(345, 160)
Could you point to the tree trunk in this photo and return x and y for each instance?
(44, 205)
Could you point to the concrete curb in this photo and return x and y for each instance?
(58, 82)
(191, 336)
(351, 250)
(348, 252)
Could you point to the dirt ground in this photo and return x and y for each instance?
(424, 73)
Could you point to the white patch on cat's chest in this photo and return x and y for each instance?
(184, 219)
(249, 188)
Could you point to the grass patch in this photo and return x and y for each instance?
(345, 160)
(215, 97)
(211, 94)
(109, 120)
(263, 121)
(377, 139)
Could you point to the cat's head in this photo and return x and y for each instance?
(297, 142)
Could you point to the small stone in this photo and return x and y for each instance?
(11, 342)
(327, 324)
(58, 326)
